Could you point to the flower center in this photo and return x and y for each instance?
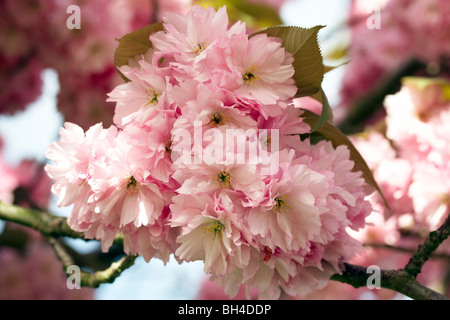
(217, 119)
(215, 227)
(224, 178)
(423, 115)
(169, 146)
(444, 198)
(152, 97)
(280, 204)
(198, 48)
(132, 185)
(250, 76)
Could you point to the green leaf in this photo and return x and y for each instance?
(302, 43)
(337, 138)
(253, 14)
(264, 15)
(327, 112)
(135, 43)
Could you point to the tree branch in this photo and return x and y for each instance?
(44, 222)
(403, 281)
(426, 249)
(93, 280)
(397, 280)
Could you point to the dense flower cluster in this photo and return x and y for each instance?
(412, 164)
(402, 30)
(205, 162)
(35, 37)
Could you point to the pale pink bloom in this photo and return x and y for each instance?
(289, 217)
(348, 188)
(152, 241)
(265, 277)
(109, 191)
(327, 243)
(210, 108)
(379, 229)
(72, 156)
(430, 193)
(213, 177)
(143, 98)
(416, 126)
(165, 7)
(151, 148)
(316, 274)
(393, 174)
(288, 127)
(211, 231)
(120, 192)
(374, 148)
(394, 178)
(72, 159)
(258, 69)
(187, 38)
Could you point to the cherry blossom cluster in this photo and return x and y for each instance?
(410, 161)
(412, 165)
(205, 161)
(402, 30)
(35, 37)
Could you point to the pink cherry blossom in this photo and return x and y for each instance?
(206, 163)
(141, 99)
(256, 69)
(187, 38)
(211, 231)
